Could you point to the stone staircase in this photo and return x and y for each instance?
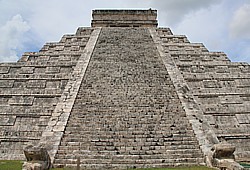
(134, 96)
(221, 88)
(127, 113)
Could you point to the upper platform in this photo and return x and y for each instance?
(124, 18)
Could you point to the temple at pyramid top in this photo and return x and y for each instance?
(124, 18)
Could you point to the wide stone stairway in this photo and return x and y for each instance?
(127, 113)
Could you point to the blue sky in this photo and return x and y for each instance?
(222, 25)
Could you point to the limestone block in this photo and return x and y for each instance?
(7, 120)
(243, 83)
(230, 99)
(53, 84)
(245, 69)
(6, 83)
(222, 69)
(83, 31)
(21, 100)
(4, 69)
(43, 58)
(210, 83)
(36, 84)
(227, 83)
(65, 57)
(27, 70)
(52, 70)
(54, 58)
(243, 118)
(197, 69)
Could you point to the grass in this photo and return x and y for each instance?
(10, 165)
(181, 168)
(17, 165)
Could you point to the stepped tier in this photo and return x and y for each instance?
(124, 95)
(220, 87)
(31, 88)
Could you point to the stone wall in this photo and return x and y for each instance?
(124, 18)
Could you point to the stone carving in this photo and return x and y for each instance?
(223, 157)
(37, 158)
(223, 150)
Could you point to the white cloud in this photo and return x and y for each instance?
(175, 10)
(239, 27)
(12, 37)
(206, 25)
(51, 19)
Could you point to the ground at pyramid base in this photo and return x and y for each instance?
(125, 93)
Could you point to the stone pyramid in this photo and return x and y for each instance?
(124, 93)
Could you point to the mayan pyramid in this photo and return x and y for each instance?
(124, 93)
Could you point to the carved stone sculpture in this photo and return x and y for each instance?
(37, 158)
(223, 157)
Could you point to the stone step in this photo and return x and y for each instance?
(126, 152)
(122, 166)
(161, 163)
(131, 160)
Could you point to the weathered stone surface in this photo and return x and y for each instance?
(223, 157)
(121, 98)
(227, 164)
(31, 88)
(32, 166)
(124, 18)
(223, 150)
(122, 123)
(218, 86)
(37, 158)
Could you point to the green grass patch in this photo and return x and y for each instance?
(181, 168)
(17, 165)
(10, 165)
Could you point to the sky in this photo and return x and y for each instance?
(221, 25)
